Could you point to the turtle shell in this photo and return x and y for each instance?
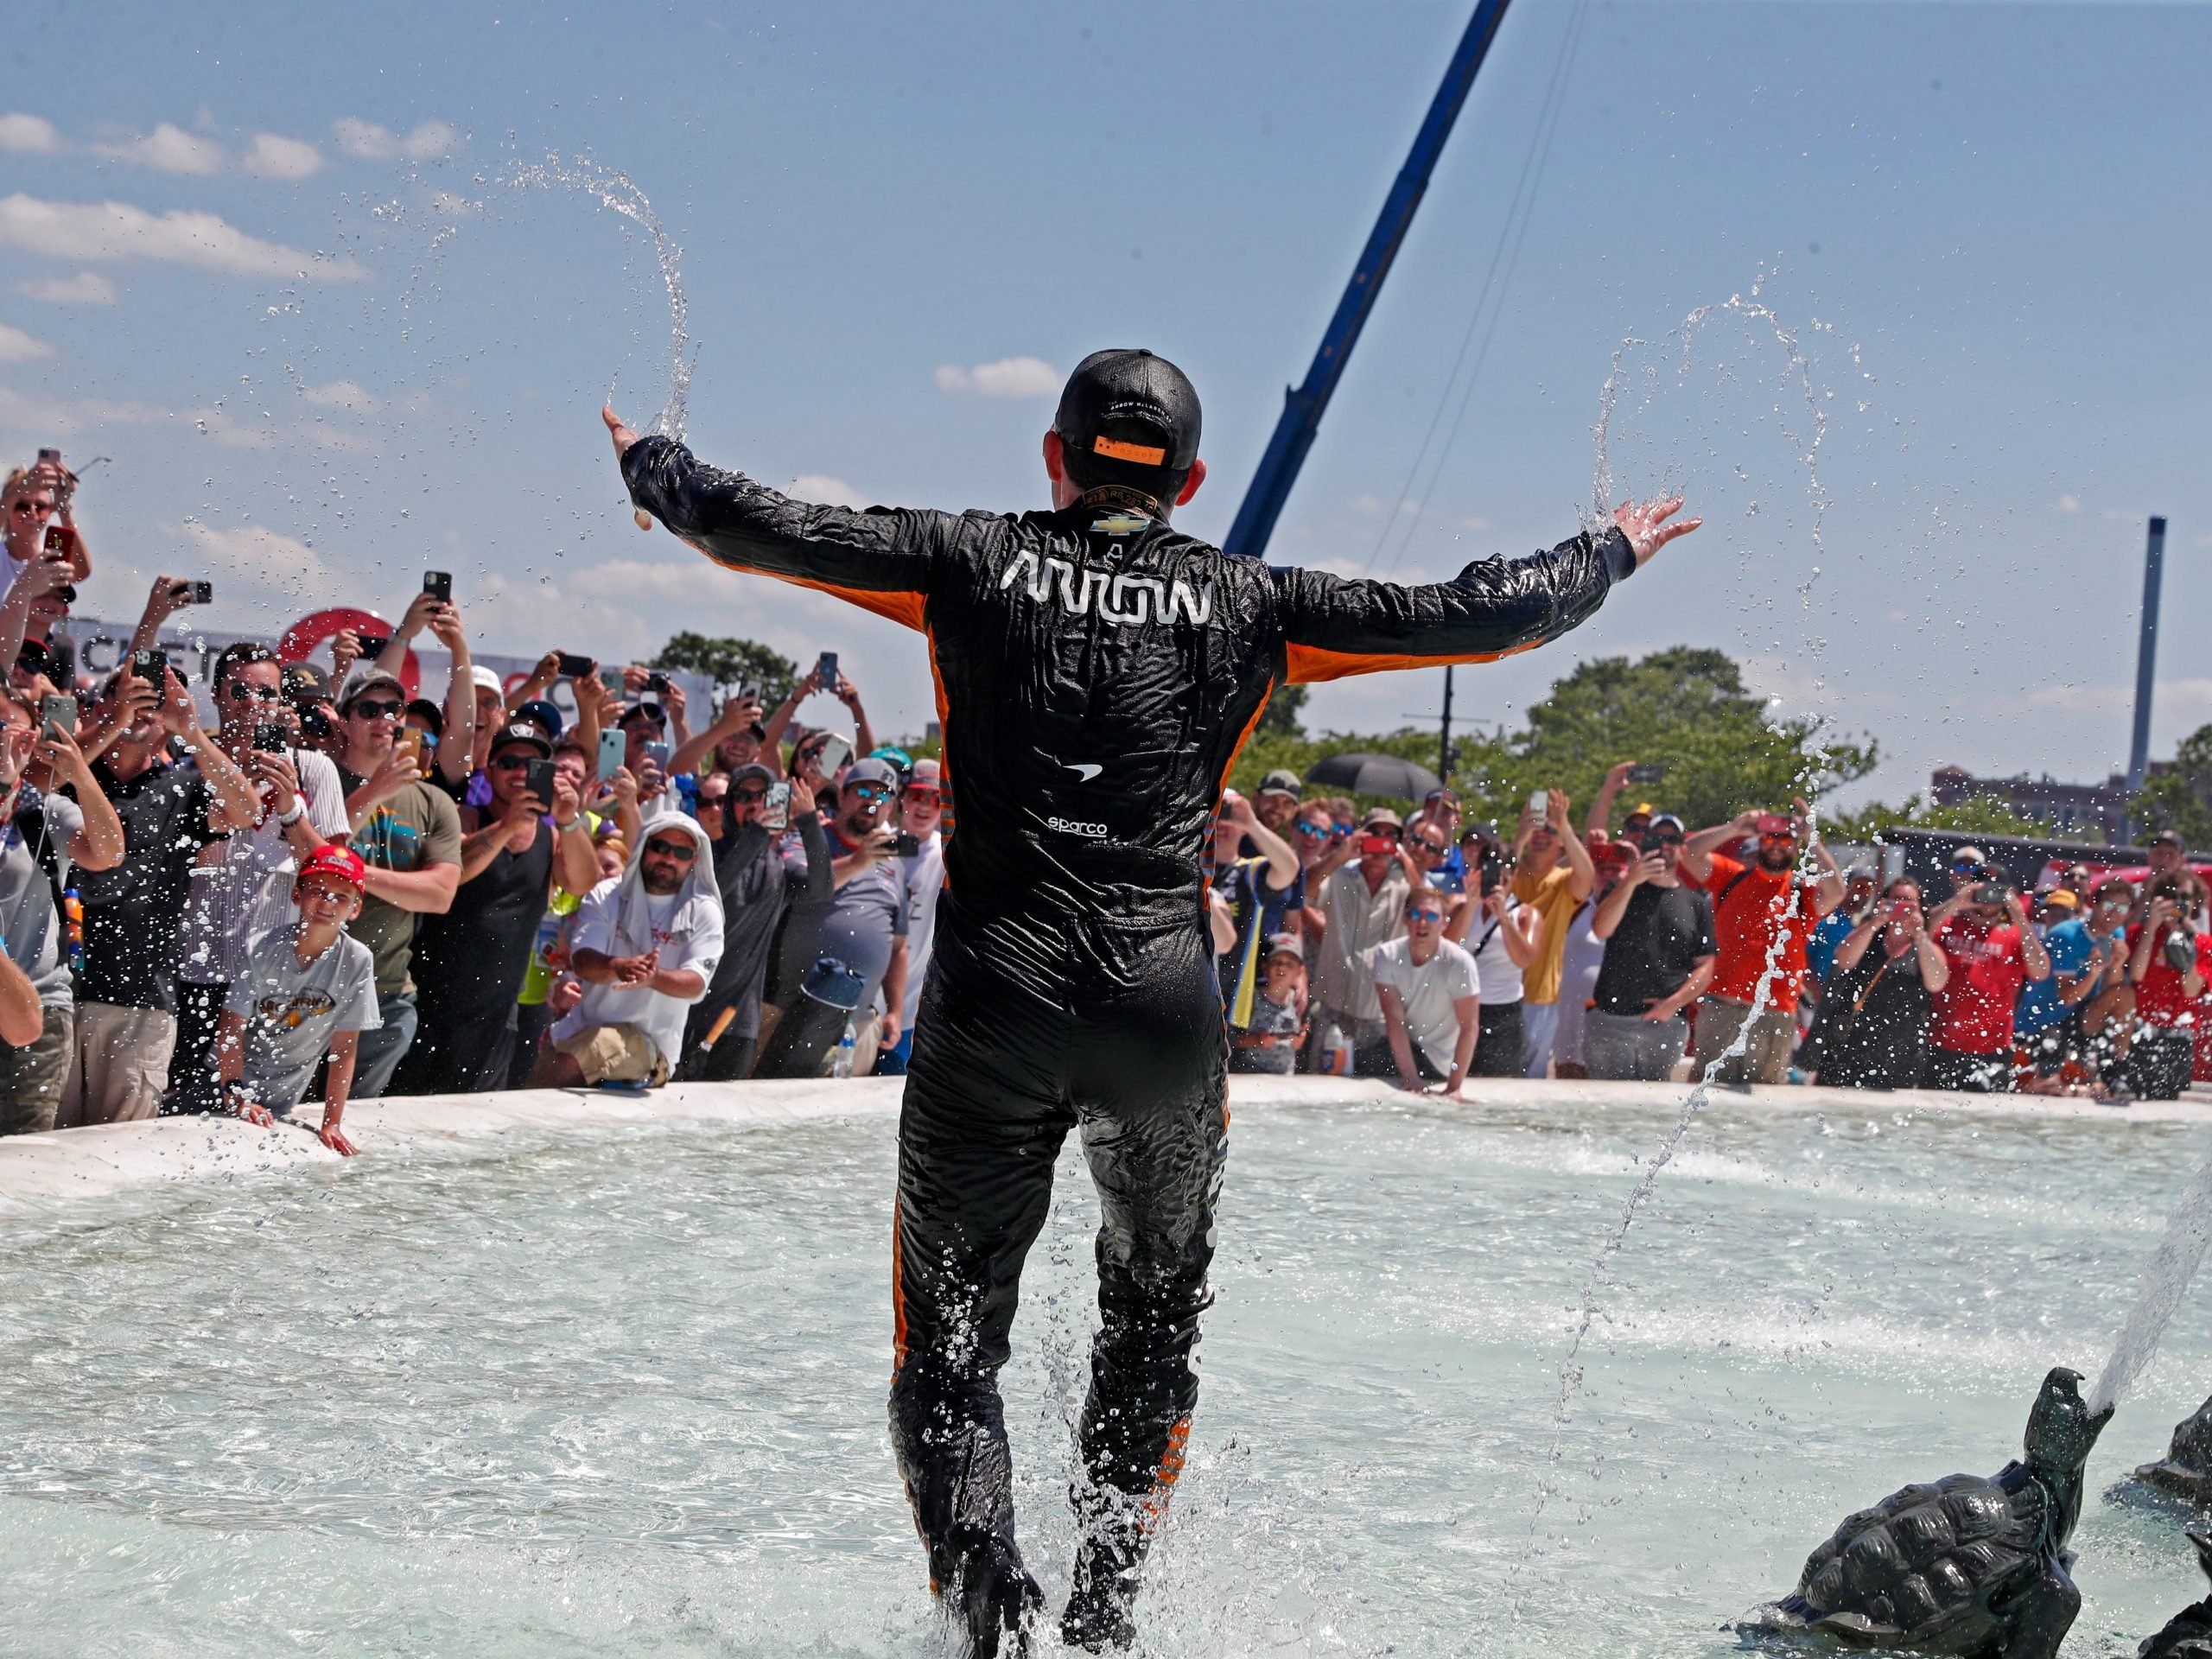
(2187, 1634)
(2186, 1469)
(1926, 1555)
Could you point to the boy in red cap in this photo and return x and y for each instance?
(306, 991)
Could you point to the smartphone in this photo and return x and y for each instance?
(747, 691)
(1539, 804)
(825, 670)
(408, 740)
(151, 665)
(1647, 774)
(45, 455)
(193, 593)
(573, 666)
(613, 745)
(270, 737)
(439, 585)
(372, 645)
(60, 542)
(1992, 892)
(776, 806)
(612, 679)
(907, 846)
(660, 753)
(537, 777)
(57, 714)
(313, 723)
(835, 751)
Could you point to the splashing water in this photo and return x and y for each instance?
(1797, 371)
(2167, 1274)
(617, 191)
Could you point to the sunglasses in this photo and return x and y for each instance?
(1665, 841)
(921, 792)
(1964, 866)
(1422, 845)
(369, 709)
(511, 762)
(747, 797)
(681, 852)
(238, 691)
(869, 791)
(1424, 915)
(1315, 832)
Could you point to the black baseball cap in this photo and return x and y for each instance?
(1129, 416)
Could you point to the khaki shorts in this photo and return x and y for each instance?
(616, 1054)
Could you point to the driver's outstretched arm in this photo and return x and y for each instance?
(1335, 626)
(879, 559)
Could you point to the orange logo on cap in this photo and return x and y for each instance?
(1143, 454)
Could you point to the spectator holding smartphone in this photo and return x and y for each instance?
(1507, 938)
(475, 706)
(2170, 959)
(304, 993)
(1262, 890)
(1659, 958)
(43, 831)
(169, 810)
(1360, 907)
(843, 689)
(758, 880)
(921, 816)
(37, 500)
(408, 836)
(243, 884)
(735, 739)
(470, 961)
(1551, 870)
(1880, 996)
(1990, 952)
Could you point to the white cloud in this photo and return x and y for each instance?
(115, 230)
(343, 394)
(2069, 504)
(22, 413)
(1010, 377)
(275, 157)
(364, 140)
(16, 346)
(828, 491)
(167, 149)
(85, 287)
(247, 560)
(28, 134)
(2124, 516)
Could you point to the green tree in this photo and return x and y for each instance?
(2170, 801)
(1282, 717)
(1978, 815)
(732, 662)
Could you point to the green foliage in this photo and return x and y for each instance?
(1281, 719)
(2170, 801)
(1978, 815)
(1683, 709)
(731, 662)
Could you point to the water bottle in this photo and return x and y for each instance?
(842, 1065)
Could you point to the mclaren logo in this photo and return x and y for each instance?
(1085, 770)
(1073, 827)
(1122, 598)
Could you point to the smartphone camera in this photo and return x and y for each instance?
(907, 845)
(572, 666)
(270, 737)
(439, 585)
(537, 777)
(149, 664)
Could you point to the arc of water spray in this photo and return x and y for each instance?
(1570, 1371)
(2167, 1274)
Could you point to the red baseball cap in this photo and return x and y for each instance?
(343, 862)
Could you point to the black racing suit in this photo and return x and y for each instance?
(1097, 672)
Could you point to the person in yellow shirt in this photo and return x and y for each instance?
(1551, 870)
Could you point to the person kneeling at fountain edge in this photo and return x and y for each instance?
(1432, 1005)
(305, 991)
(645, 945)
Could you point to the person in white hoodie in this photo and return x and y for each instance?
(645, 945)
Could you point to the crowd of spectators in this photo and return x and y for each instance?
(337, 890)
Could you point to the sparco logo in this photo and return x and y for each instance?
(1118, 597)
(1070, 827)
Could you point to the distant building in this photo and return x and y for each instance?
(2087, 812)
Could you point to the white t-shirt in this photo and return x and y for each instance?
(1501, 979)
(924, 881)
(293, 1009)
(243, 887)
(1428, 992)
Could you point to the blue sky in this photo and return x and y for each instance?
(272, 261)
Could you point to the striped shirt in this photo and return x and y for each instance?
(242, 887)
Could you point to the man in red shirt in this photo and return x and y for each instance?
(1983, 935)
(1757, 906)
(2167, 996)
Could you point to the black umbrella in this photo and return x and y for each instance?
(1375, 774)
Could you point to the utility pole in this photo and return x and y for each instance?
(1302, 406)
(2147, 662)
(1444, 745)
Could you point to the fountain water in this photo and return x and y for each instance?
(2167, 1274)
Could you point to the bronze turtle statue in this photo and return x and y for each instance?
(1971, 1565)
(2188, 1634)
(2186, 1469)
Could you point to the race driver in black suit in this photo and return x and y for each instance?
(1097, 671)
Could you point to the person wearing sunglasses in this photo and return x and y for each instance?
(408, 835)
(759, 872)
(1552, 870)
(243, 887)
(862, 925)
(645, 945)
(1360, 907)
(1762, 911)
(1431, 996)
(1659, 957)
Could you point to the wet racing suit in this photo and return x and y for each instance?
(1097, 672)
